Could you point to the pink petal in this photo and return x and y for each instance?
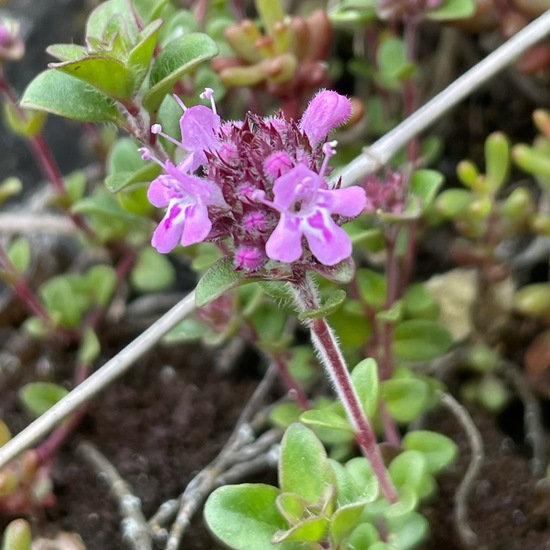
(199, 125)
(328, 242)
(167, 234)
(285, 243)
(159, 193)
(326, 111)
(197, 224)
(348, 201)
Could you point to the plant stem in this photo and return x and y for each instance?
(23, 290)
(324, 341)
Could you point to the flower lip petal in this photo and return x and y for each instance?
(347, 201)
(326, 111)
(328, 242)
(285, 243)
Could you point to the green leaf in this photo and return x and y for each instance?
(419, 302)
(452, 9)
(90, 347)
(421, 340)
(101, 281)
(104, 205)
(217, 280)
(304, 468)
(454, 203)
(139, 58)
(341, 273)
(245, 517)
(405, 398)
(38, 397)
(364, 537)
(373, 287)
(439, 451)
(101, 17)
(177, 58)
(110, 76)
(19, 254)
(344, 521)
(189, 330)
(9, 187)
(365, 381)
(17, 535)
(351, 324)
(408, 469)
(424, 185)
(408, 531)
(310, 530)
(533, 300)
(152, 272)
(67, 52)
(316, 418)
(497, 159)
(63, 95)
(61, 301)
(282, 416)
(332, 303)
(292, 507)
(25, 123)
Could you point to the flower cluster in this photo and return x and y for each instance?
(262, 184)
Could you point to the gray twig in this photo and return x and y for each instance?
(534, 430)
(135, 530)
(467, 536)
(234, 452)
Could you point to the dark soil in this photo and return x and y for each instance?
(171, 414)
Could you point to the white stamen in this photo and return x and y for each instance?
(180, 102)
(329, 148)
(157, 130)
(209, 94)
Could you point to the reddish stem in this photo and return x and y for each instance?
(326, 345)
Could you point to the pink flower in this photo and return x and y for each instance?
(306, 205)
(187, 199)
(326, 111)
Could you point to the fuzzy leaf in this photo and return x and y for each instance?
(217, 280)
(332, 303)
(61, 94)
(67, 52)
(310, 530)
(304, 468)
(177, 58)
(110, 76)
(245, 517)
(139, 58)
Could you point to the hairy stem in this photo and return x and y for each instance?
(324, 341)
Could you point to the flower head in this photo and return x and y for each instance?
(262, 185)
